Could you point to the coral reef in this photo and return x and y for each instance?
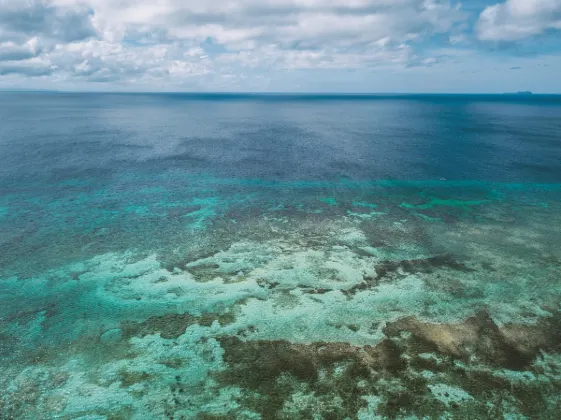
(318, 302)
(426, 365)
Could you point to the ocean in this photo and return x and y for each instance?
(213, 256)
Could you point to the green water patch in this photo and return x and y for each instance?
(428, 218)
(329, 200)
(366, 215)
(138, 210)
(438, 202)
(364, 204)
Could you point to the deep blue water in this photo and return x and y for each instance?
(424, 226)
(498, 138)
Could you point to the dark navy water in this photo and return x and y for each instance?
(382, 243)
(488, 138)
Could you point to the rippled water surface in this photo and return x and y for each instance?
(279, 257)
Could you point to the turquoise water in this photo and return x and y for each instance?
(242, 257)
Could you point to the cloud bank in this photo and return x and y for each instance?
(518, 19)
(172, 44)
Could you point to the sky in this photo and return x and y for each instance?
(375, 46)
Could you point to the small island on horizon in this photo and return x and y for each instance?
(521, 92)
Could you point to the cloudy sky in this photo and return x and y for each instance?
(281, 45)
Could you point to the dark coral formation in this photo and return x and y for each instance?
(171, 261)
(424, 265)
(172, 325)
(261, 366)
(512, 346)
(272, 371)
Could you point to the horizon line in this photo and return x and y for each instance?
(522, 93)
(273, 93)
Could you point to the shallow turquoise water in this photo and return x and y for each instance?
(180, 257)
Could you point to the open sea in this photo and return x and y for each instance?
(174, 256)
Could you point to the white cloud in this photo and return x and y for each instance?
(12, 51)
(22, 20)
(128, 41)
(518, 19)
(30, 67)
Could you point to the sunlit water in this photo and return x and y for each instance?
(247, 257)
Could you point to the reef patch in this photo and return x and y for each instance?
(420, 369)
(172, 325)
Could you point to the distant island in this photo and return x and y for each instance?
(523, 92)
